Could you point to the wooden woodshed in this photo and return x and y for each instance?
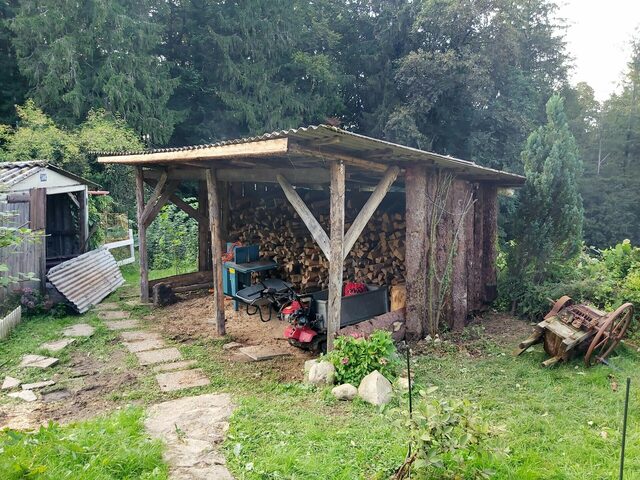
(48, 199)
(443, 220)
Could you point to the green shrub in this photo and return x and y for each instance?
(605, 279)
(173, 239)
(354, 358)
(448, 438)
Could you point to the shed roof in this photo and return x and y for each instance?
(313, 143)
(12, 173)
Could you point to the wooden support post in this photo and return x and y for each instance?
(142, 238)
(38, 223)
(490, 243)
(316, 230)
(336, 249)
(83, 219)
(459, 293)
(216, 250)
(225, 207)
(367, 210)
(204, 233)
(416, 250)
(475, 278)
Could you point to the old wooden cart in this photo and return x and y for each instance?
(570, 329)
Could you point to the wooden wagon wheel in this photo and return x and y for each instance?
(609, 334)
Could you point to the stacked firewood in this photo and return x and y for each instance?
(267, 219)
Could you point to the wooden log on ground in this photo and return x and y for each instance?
(392, 322)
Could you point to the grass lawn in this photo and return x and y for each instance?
(110, 447)
(558, 423)
(561, 423)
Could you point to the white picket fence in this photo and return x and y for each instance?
(10, 321)
(124, 243)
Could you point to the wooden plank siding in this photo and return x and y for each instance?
(25, 258)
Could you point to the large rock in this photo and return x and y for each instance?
(307, 368)
(345, 391)
(375, 389)
(322, 373)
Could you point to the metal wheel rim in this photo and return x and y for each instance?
(614, 329)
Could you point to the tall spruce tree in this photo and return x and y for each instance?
(13, 86)
(252, 66)
(548, 218)
(96, 54)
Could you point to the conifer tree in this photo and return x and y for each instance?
(79, 56)
(549, 214)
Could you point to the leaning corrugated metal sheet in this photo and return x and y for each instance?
(87, 279)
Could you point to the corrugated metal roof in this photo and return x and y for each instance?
(87, 279)
(336, 140)
(14, 172)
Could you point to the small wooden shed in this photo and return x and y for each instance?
(48, 199)
(461, 224)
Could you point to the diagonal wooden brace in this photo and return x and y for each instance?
(317, 232)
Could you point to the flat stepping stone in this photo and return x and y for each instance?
(231, 346)
(182, 365)
(26, 395)
(79, 330)
(113, 315)
(258, 353)
(102, 307)
(182, 379)
(159, 356)
(122, 324)
(37, 385)
(57, 345)
(139, 336)
(144, 345)
(38, 361)
(193, 429)
(56, 396)
(10, 382)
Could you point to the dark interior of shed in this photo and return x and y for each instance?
(63, 228)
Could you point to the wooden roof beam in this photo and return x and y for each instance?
(331, 155)
(260, 148)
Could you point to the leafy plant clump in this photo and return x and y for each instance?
(354, 358)
(448, 438)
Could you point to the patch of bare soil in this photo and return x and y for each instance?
(190, 320)
(502, 328)
(83, 394)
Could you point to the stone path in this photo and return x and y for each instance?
(172, 372)
(193, 429)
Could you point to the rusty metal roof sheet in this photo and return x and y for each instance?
(12, 173)
(87, 279)
(332, 139)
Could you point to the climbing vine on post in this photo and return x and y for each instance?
(442, 251)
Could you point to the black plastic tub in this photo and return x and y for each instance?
(355, 308)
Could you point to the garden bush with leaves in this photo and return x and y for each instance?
(448, 437)
(606, 279)
(354, 358)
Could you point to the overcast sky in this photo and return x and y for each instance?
(598, 40)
